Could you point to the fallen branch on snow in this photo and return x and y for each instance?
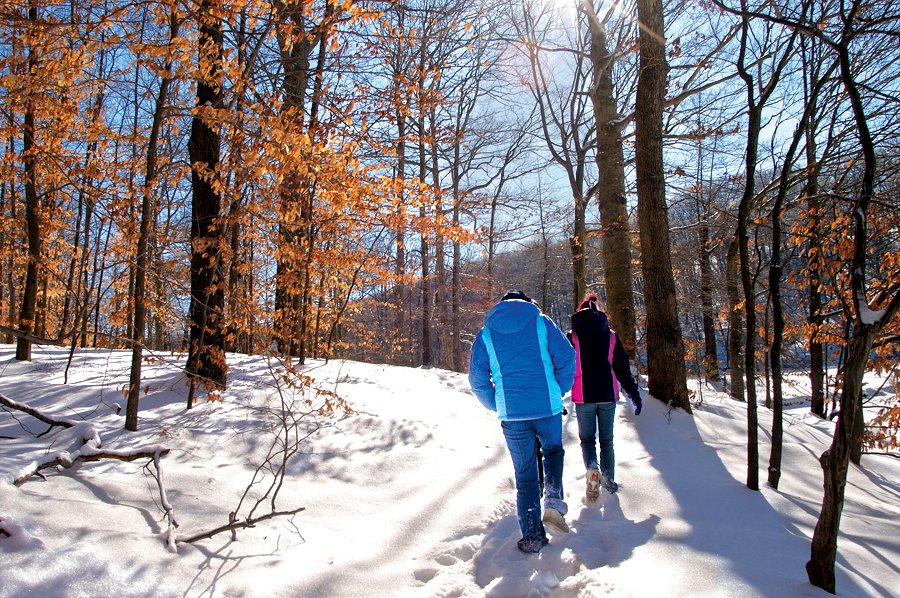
(168, 511)
(236, 525)
(47, 419)
(86, 453)
(89, 451)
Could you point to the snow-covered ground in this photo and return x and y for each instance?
(411, 495)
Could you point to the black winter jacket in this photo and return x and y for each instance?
(594, 380)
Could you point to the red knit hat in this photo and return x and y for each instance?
(590, 301)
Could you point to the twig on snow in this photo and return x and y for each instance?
(237, 524)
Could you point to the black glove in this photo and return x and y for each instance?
(638, 404)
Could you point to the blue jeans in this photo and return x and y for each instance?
(594, 418)
(520, 439)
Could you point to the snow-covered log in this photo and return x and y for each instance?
(86, 453)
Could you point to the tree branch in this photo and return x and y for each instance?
(47, 419)
(235, 525)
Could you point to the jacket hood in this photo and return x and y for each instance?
(590, 320)
(511, 315)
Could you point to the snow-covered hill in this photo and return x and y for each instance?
(411, 495)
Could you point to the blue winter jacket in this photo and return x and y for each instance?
(521, 364)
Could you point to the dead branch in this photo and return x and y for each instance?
(168, 511)
(47, 419)
(235, 525)
(87, 453)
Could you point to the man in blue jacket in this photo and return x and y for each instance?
(521, 366)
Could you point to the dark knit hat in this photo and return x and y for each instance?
(516, 294)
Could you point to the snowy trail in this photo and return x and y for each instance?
(414, 496)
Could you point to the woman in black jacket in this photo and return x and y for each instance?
(602, 364)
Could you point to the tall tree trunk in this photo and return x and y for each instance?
(611, 193)
(577, 247)
(206, 360)
(455, 291)
(307, 212)
(444, 338)
(9, 266)
(814, 260)
(32, 210)
(704, 250)
(710, 349)
(142, 258)
(101, 268)
(835, 463)
(295, 45)
(776, 269)
(666, 372)
(735, 322)
(814, 251)
(835, 460)
(426, 355)
(754, 110)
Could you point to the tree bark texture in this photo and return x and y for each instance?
(27, 309)
(836, 460)
(295, 46)
(814, 206)
(206, 357)
(576, 245)
(142, 259)
(666, 372)
(835, 464)
(710, 348)
(611, 193)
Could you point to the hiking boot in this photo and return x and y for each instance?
(608, 484)
(593, 484)
(532, 545)
(554, 521)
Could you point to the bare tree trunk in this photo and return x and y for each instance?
(754, 110)
(11, 276)
(295, 50)
(206, 359)
(142, 258)
(710, 347)
(735, 322)
(455, 284)
(813, 254)
(776, 270)
(32, 211)
(835, 460)
(426, 355)
(576, 244)
(835, 463)
(704, 249)
(666, 372)
(400, 233)
(101, 256)
(611, 192)
(444, 339)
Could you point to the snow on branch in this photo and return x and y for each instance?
(168, 511)
(90, 449)
(86, 453)
(47, 419)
